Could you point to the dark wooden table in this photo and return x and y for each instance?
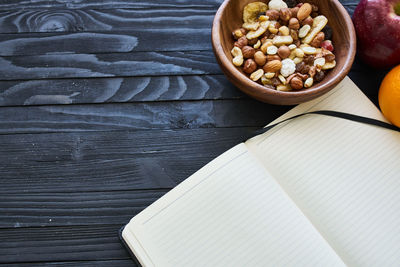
(105, 106)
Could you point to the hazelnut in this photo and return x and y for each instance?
(260, 58)
(272, 14)
(285, 14)
(296, 83)
(294, 24)
(294, 11)
(318, 39)
(248, 51)
(249, 66)
(241, 42)
(307, 21)
(284, 51)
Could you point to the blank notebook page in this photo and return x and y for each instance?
(344, 175)
(230, 213)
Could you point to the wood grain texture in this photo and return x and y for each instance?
(182, 39)
(104, 161)
(61, 244)
(105, 20)
(107, 4)
(147, 64)
(63, 209)
(116, 90)
(155, 115)
(132, 21)
(147, 106)
(108, 65)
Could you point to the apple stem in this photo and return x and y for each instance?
(397, 9)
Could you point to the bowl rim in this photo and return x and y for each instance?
(254, 89)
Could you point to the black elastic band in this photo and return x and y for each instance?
(337, 114)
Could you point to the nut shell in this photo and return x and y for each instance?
(284, 52)
(260, 58)
(248, 51)
(273, 66)
(249, 66)
(296, 83)
(304, 11)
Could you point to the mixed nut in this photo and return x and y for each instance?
(284, 45)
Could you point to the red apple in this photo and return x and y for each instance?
(377, 24)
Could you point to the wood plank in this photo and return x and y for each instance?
(114, 65)
(94, 263)
(117, 90)
(99, 161)
(107, 4)
(156, 115)
(129, 21)
(82, 243)
(63, 209)
(171, 39)
(108, 65)
(104, 20)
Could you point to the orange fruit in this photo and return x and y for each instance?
(389, 96)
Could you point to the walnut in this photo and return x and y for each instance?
(330, 57)
(312, 71)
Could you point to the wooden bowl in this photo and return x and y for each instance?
(229, 18)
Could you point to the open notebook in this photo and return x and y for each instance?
(312, 191)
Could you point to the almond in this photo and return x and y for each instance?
(273, 66)
(304, 11)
